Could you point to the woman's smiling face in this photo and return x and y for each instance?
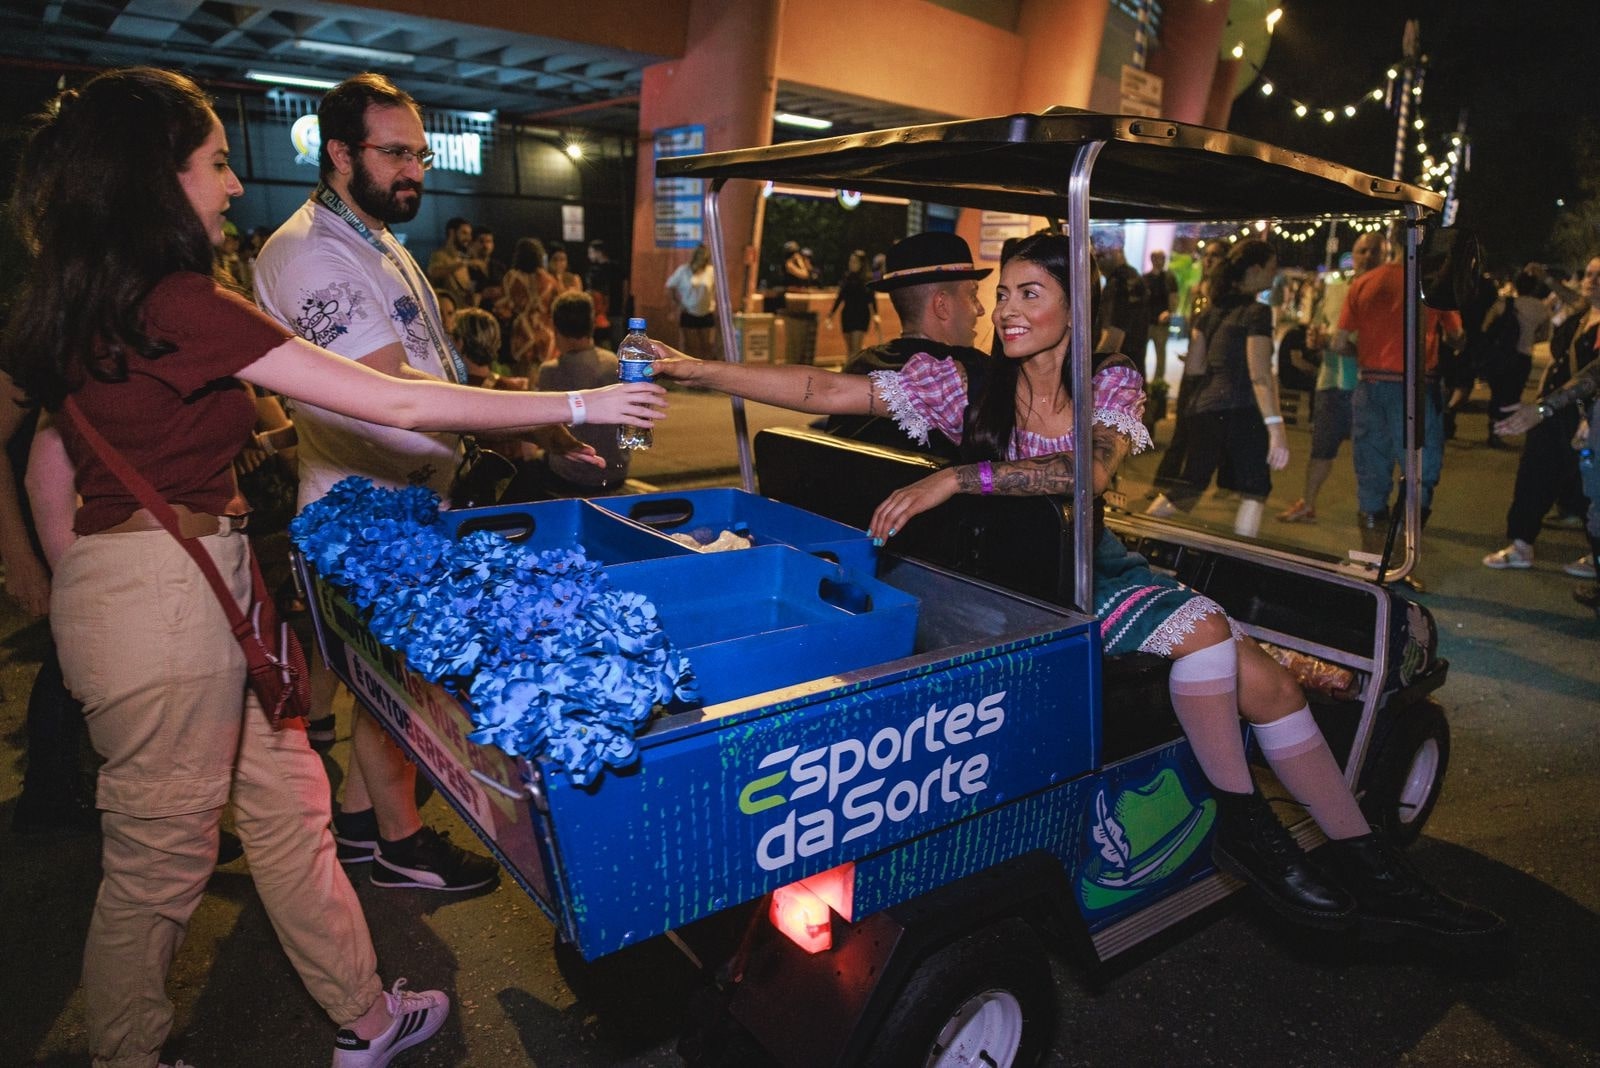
(1030, 310)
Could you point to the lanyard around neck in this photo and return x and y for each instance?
(448, 357)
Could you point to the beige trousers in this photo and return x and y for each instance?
(146, 647)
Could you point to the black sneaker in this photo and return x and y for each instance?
(320, 733)
(356, 836)
(417, 1016)
(428, 860)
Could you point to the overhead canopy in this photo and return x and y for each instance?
(1148, 169)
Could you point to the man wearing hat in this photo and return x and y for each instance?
(933, 285)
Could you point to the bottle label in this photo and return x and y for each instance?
(635, 370)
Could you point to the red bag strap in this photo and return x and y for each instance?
(147, 496)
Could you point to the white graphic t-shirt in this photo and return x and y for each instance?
(322, 279)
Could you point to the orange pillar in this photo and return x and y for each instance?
(1062, 39)
(725, 82)
(1186, 60)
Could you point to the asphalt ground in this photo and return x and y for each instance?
(1516, 830)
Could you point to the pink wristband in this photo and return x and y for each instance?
(986, 478)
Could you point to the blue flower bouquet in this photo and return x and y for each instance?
(548, 658)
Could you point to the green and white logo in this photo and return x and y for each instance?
(1144, 835)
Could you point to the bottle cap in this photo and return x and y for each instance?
(636, 324)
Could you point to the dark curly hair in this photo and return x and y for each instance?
(99, 208)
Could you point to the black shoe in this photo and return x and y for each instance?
(1414, 582)
(428, 860)
(1252, 846)
(355, 834)
(62, 815)
(320, 733)
(1393, 901)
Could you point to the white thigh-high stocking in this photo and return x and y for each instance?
(1300, 757)
(1205, 695)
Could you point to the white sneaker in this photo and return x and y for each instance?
(1518, 556)
(416, 1018)
(1582, 567)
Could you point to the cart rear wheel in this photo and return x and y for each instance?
(1408, 773)
(987, 1001)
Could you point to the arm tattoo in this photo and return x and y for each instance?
(805, 398)
(1037, 475)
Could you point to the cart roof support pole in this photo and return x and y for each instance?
(732, 347)
(1415, 383)
(1083, 345)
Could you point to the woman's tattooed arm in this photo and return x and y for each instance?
(1050, 474)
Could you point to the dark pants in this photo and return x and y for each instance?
(1234, 441)
(1506, 385)
(1546, 473)
(54, 774)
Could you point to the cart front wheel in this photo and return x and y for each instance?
(987, 1001)
(1408, 773)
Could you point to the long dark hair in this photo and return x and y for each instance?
(992, 412)
(529, 255)
(98, 206)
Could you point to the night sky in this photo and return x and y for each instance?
(1526, 73)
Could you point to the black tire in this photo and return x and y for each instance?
(1407, 773)
(1003, 967)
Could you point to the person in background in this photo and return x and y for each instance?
(1236, 414)
(692, 288)
(1161, 299)
(154, 358)
(447, 309)
(607, 285)
(580, 364)
(1549, 465)
(798, 270)
(567, 280)
(859, 303)
(485, 270)
(1336, 383)
(229, 261)
(522, 309)
(933, 284)
(450, 266)
(1372, 328)
(1123, 302)
(476, 334)
(1169, 473)
(1015, 428)
(1509, 376)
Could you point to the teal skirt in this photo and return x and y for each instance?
(1139, 609)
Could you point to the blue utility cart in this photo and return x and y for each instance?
(915, 774)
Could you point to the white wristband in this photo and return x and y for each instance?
(1272, 420)
(575, 405)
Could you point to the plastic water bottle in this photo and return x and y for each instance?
(637, 364)
(1586, 457)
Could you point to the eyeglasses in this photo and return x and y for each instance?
(402, 155)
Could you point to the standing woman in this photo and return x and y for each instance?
(692, 289)
(120, 195)
(1016, 432)
(528, 287)
(860, 304)
(1235, 420)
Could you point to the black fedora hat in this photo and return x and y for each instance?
(925, 258)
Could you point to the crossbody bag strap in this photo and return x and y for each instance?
(147, 496)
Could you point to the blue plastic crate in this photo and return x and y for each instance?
(706, 513)
(771, 616)
(543, 525)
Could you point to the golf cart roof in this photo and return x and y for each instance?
(1147, 169)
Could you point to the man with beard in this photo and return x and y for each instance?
(336, 274)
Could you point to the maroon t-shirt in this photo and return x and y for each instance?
(181, 418)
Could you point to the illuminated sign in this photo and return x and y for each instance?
(461, 152)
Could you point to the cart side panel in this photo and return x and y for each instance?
(431, 726)
(715, 817)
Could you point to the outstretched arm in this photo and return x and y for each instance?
(1264, 384)
(1031, 476)
(300, 370)
(801, 389)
